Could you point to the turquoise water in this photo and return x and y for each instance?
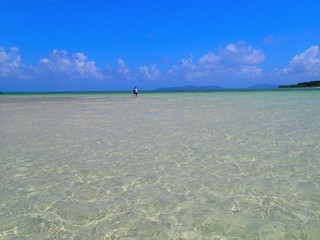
(196, 165)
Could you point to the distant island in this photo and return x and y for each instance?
(211, 87)
(188, 88)
(257, 86)
(302, 85)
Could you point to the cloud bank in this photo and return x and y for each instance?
(307, 63)
(235, 61)
(10, 62)
(71, 66)
(235, 64)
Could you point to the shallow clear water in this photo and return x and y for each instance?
(217, 165)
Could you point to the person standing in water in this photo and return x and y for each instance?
(135, 91)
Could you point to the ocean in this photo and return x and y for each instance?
(232, 164)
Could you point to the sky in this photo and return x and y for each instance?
(103, 45)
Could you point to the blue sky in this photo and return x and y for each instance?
(69, 45)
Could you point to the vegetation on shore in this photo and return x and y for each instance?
(302, 85)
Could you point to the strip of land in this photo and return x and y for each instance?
(302, 85)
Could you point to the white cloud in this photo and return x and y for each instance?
(44, 60)
(240, 53)
(307, 63)
(210, 59)
(271, 39)
(74, 66)
(250, 71)
(124, 71)
(235, 61)
(187, 63)
(150, 73)
(10, 62)
(183, 68)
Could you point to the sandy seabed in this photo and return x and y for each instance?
(219, 165)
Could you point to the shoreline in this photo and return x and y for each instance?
(279, 89)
